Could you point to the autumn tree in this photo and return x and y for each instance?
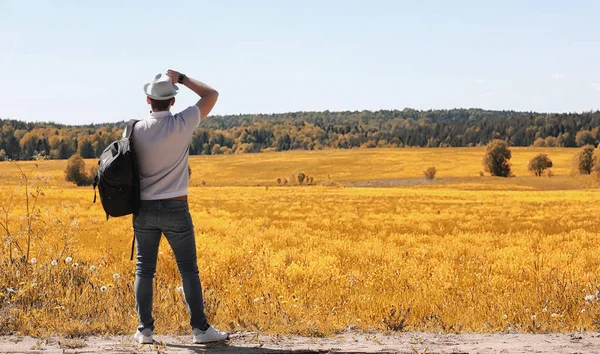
(539, 164)
(86, 150)
(75, 171)
(585, 160)
(596, 167)
(496, 160)
(584, 137)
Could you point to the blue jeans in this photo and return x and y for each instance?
(171, 217)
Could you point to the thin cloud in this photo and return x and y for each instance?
(595, 86)
(479, 81)
(558, 76)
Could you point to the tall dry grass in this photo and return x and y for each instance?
(473, 254)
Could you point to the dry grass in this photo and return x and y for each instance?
(467, 254)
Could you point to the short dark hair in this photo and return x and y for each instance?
(160, 105)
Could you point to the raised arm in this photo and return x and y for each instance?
(208, 95)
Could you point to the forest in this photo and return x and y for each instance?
(252, 133)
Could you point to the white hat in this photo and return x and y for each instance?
(161, 88)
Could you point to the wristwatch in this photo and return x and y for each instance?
(181, 77)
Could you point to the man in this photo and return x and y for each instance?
(161, 143)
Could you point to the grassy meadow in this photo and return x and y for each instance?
(463, 253)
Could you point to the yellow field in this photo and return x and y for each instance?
(465, 253)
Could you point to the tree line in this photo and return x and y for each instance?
(252, 133)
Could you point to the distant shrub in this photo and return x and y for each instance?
(301, 177)
(596, 167)
(584, 137)
(430, 172)
(225, 150)
(75, 171)
(585, 160)
(496, 160)
(279, 181)
(539, 164)
(551, 141)
(539, 142)
(216, 150)
(285, 181)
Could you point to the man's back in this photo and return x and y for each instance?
(161, 143)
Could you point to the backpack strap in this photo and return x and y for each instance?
(95, 184)
(129, 128)
(132, 247)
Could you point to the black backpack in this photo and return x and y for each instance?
(118, 178)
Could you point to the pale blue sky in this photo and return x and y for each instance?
(86, 61)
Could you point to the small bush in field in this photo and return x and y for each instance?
(585, 160)
(301, 177)
(430, 172)
(75, 171)
(539, 164)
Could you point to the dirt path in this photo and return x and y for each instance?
(346, 343)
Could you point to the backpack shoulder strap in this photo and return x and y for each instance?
(129, 128)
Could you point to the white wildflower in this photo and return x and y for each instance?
(68, 259)
(33, 260)
(54, 262)
(103, 288)
(582, 310)
(527, 310)
(553, 314)
(545, 309)
(589, 297)
(505, 316)
(116, 276)
(92, 268)
(75, 265)
(533, 317)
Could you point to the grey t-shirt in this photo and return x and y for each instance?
(161, 144)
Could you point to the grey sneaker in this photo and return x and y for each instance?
(208, 336)
(144, 337)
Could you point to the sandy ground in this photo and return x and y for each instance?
(346, 343)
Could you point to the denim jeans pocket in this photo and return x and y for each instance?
(139, 221)
(179, 219)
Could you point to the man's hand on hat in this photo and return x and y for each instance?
(173, 75)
